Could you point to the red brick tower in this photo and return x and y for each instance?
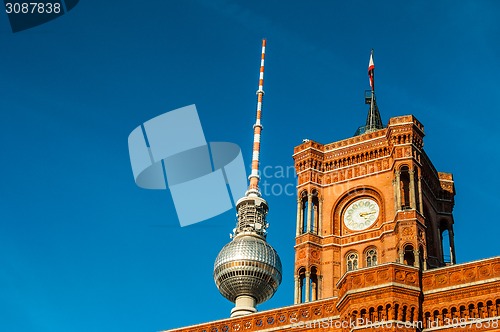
(367, 200)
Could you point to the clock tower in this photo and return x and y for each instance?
(370, 199)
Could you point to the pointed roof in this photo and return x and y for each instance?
(373, 120)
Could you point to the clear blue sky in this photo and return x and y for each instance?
(82, 248)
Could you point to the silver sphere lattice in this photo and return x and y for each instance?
(248, 265)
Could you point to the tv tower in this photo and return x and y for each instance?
(247, 270)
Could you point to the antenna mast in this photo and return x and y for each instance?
(253, 188)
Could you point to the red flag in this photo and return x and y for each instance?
(371, 67)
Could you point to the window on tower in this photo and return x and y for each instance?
(409, 255)
(352, 261)
(303, 213)
(314, 284)
(405, 188)
(371, 257)
(308, 213)
(315, 212)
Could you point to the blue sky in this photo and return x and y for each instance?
(82, 248)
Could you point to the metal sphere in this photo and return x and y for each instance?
(247, 265)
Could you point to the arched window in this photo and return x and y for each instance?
(472, 311)
(427, 319)
(446, 247)
(405, 188)
(371, 257)
(481, 312)
(489, 308)
(380, 313)
(454, 312)
(462, 311)
(309, 212)
(302, 285)
(314, 284)
(409, 256)
(421, 256)
(315, 212)
(352, 261)
(371, 314)
(303, 213)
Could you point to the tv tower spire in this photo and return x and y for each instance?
(253, 188)
(247, 270)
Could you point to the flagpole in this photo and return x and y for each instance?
(373, 93)
(373, 121)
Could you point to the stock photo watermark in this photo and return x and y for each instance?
(278, 181)
(456, 323)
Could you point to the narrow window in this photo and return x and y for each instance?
(352, 261)
(371, 257)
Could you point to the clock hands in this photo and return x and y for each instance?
(366, 214)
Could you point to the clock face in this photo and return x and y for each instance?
(361, 214)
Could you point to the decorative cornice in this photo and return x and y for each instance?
(461, 275)
(465, 285)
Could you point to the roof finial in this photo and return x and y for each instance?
(373, 120)
(253, 188)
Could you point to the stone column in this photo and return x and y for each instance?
(451, 236)
(395, 188)
(320, 215)
(413, 204)
(439, 244)
(309, 212)
(320, 286)
(296, 299)
(308, 286)
(299, 217)
(398, 190)
(401, 256)
(416, 253)
(390, 313)
(420, 200)
(314, 219)
(314, 295)
(425, 259)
